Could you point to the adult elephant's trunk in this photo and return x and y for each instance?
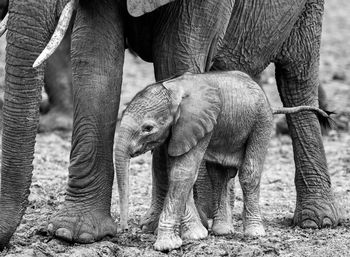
(26, 37)
(122, 161)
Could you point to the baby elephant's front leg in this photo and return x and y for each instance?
(182, 176)
(181, 181)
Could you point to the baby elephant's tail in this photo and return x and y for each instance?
(322, 115)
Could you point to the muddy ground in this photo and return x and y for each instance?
(277, 189)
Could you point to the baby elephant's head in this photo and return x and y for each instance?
(146, 121)
(182, 110)
(186, 106)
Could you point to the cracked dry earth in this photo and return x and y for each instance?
(277, 189)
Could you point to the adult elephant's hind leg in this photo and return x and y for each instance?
(297, 80)
(97, 58)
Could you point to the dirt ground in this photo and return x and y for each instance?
(277, 189)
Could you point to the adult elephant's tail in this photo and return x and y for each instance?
(322, 115)
(27, 33)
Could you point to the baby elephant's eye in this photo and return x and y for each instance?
(147, 128)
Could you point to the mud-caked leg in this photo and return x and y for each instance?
(222, 213)
(97, 59)
(159, 189)
(297, 75)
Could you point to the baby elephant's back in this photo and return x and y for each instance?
(243, 101)
(244, 107)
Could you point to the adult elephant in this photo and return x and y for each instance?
(178, 36)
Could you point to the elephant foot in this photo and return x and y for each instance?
(81, 226)
(167, 242)
(254, 230)
(316, 213)
(56, 120)
(221, 228)
(149, 223)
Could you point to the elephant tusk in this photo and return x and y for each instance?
(3, 25)
(58, 34)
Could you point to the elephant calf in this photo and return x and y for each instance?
(223, 118)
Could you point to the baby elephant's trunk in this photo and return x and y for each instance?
(122, 161)
(322, 115)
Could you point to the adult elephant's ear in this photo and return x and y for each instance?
(196, 114)
(137, 8)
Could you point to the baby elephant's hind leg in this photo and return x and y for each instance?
(222, 214)
(249, 178)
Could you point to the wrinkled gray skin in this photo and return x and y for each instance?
(221, 118)
(217, 35)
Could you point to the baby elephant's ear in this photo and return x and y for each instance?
(198, 112)
(137, 8)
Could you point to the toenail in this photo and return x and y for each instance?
(309, 224)
(86, 238)
(327, 222)
(64, 234)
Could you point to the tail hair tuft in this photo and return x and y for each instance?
(326, 122)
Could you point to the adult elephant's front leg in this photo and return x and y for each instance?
(297, 79)
(97, 58)
(177, 48)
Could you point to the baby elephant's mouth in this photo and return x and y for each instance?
(144, 148)
(139, 151)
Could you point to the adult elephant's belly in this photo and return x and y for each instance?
(255, 34)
